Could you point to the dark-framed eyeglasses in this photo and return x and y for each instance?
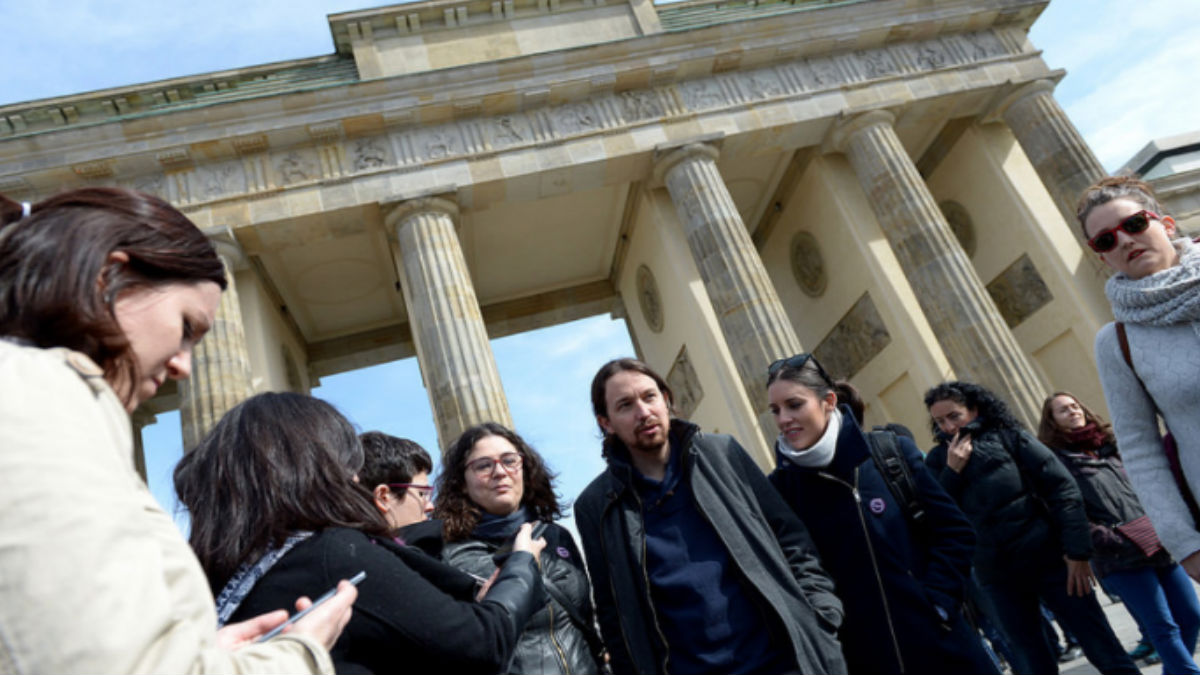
(1135, 223)
(796, 363)
(484, 466)
(425, 492)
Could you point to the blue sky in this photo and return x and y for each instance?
(1130, 80)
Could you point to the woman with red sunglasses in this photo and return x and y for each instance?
(1155, 296)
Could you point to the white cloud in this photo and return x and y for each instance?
(1130, 70)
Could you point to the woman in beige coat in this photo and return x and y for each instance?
(103, 294)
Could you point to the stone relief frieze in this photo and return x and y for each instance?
(437, 143)
(764, 83)
(414, 145)
(220, 179)
(983, 45)
(824, 72)
(507, 130)
(640, 105)
(296, 166)
(876, 63)
(928, 55)
(702, 94)
(369, 153)
(574, 118)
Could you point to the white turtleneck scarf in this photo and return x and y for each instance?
(820, 455)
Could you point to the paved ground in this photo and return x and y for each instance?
(1126, 630)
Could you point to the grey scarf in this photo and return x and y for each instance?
(243, 580)
(1168, 297)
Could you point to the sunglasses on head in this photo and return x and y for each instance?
(1106, 241)
(796, 363)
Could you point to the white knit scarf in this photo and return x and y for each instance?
(820, 455)
(1164, 298)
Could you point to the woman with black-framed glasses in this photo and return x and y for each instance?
(896, 545)
(1149, 359)
(492, 483)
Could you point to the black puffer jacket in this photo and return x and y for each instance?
(1109, 500)
(551, 643)
(1025, 507)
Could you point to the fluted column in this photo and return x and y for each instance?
(1058, 152)
(220, 362)
(756, 329)
(964, 317)
(447, 326)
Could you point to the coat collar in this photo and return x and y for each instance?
(620, 466)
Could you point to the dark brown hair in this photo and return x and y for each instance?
(1116, 187)
(390, 459)
(600, 405)
(58, 286)
(1049, 432)
(459, 513)
(275, 464)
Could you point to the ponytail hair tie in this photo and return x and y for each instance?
(26, 209)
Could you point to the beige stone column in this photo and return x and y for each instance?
(140, 419)
(1058, 152)
(220, 362)
(756, 329)
(964, 317)
(447, 326)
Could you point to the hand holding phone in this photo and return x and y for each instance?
(354, 580)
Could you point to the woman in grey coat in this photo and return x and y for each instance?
(1155, 295)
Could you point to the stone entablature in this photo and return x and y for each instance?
(808, 89)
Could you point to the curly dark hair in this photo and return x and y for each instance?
(459, 514)
(991, 412)
(1053, 436)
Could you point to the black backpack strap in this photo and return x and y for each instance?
(896, 473)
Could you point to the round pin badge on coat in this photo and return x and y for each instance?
(877, 505)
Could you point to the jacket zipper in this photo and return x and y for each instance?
(646, 576)
(554, 641)
(887, 612)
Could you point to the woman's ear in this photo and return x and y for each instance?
(830, 401)
(1169, 226)
(381, 495)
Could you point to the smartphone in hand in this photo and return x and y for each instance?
(317, 603)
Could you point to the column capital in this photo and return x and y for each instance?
(1017, 93)
(227, 246)
(848, 125)
(668, 156)
(396, 211)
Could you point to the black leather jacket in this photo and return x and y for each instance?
(551, 643)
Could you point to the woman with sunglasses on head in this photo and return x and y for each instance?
(277, 510)
(493, 483)
(900, 565)
(1155, 296)
(1128, 555)
(1033, 539)
(104, 292)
